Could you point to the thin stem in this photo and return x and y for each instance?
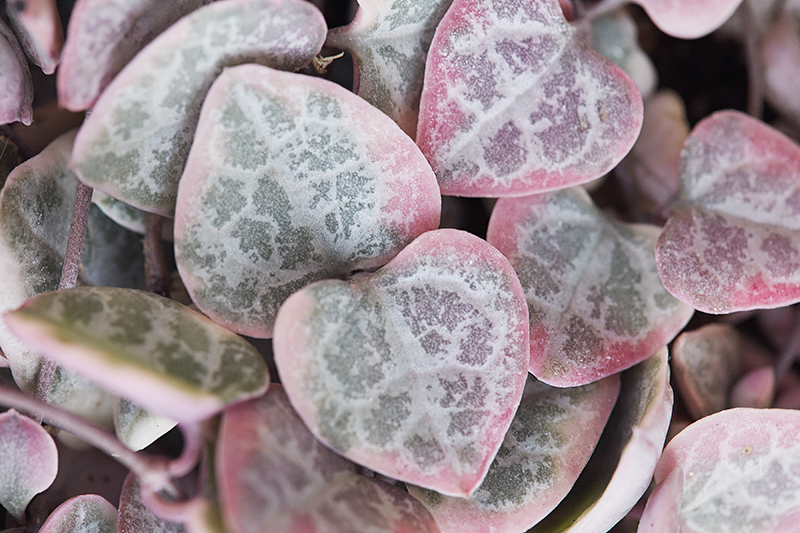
(755, 86)
(155, 264)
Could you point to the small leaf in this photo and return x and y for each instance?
(138, 428)
(271, 470)
(595, 300)
(689, 19)
(446, 315)
(135, 517)
(731, 243)
(292, 179)
(135, 143)
(38, 26)
(16, 87)
(755, 389)
(87, 513)
(149, 349)
(515, 102)
(28, 462)
(780, 52)
(128, 216)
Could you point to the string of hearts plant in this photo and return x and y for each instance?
(236, 246)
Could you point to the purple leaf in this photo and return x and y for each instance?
(28, 462)
(595, 300)
(292, 179)
(515, 102)
(38, 26)
(689, 19)
(135, 517)
(88, 513)
(414, 371)
(271, 470)
(731, 243)
(16, 87)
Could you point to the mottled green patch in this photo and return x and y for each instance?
(224, 201)
(254, 236)
(323, 106)
(188, 87)
(127, 119)
(505, 486)
(537, 424)
(582, 342)
(626, 313)
(112, 167)
(242, 146)
(76, 308)
(334, 425)
(383, 422)
(426, 451)
(131, 320)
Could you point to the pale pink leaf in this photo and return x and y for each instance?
(38, 26)
(689, 19)
(135, 517)
(755, 389)
(16, 87)
(516, 102)
(780, 53)
(446, 316)
(661, 512)
(88, 513)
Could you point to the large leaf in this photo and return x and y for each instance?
(389, 41)
(595, 300)
(414, 371)
(149, 349)
(736, 470)
(549, 442)
(732, 241)
(88, 513)
(103, 35)
(516, 102)
(28, 462)
(135, 143)
(16, 87)
(292, 179)
(271, 470)
(689, 19)
(38, 25)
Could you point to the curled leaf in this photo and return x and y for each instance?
(39, 27)
(16, 87)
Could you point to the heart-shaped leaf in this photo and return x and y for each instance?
(446, 316)
(28, 462)
(271, 470)
(149, 349)
(135, 517)
(731, 243)
(515, 102)
(739, 470)
(549, 442)
(689, 19)
(292, 179)
(135, 143)
(88, 513)
(389, 40)
(103, 35)
(595, 300)
(16, 87)
(38, 25)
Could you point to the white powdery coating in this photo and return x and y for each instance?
(87, 513)
(16, 87)
(689, 19)
(741, 471)
(515, 103)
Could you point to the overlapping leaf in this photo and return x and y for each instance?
(128, 216)
(689, 19)
(137, 428)
(135, 143)
(414, 371)
(135, 517)
(149, 349)
(88, 513)
(732, 242)
(38, 25)
(515, 102)
(549, 442)
(16, 87)
(595, 300)
(292, 179)
(389, 40)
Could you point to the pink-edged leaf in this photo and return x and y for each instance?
(28, 462)
(780, 52)
(622, 466)
(137, 428)
(135, 143)
(38, 26)
(389, 41)
(706, 362)
(689, 19)
(88, 513)
(515, 102)
(135, 517)
(731, 243)
(740, 470)
(447, 315)
(103, 36)
(661, 512)
(595, 300)
(16, 87)
(147, 348)
(755, 389)
(549, 442)
(271, 470)
(292, 179)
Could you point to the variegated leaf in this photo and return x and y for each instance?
(292, 179)
(414, 371)
(516, 102)
(689, 19)
(389, 41)
(135, 143)
(595, 300)
(38, 26)
(16, 87)
(137, 428)
(128, 216)
(149, 349)
(549, 442)
(88, 513)
(731, 243)
(135, 517)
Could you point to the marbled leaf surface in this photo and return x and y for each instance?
(146, 348)
(389, 41)
(622, 466)
(38, 26)
(549, 442)
(515, 102)
(739, 470)
(689, 19)
(103, 36)
(596, 303)
(414, 371)
(135, 143)
(87, 513)
(135, 517)
(16, 87)
(28, 461)
(731, 242)
(271, 470)
(292, 179)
